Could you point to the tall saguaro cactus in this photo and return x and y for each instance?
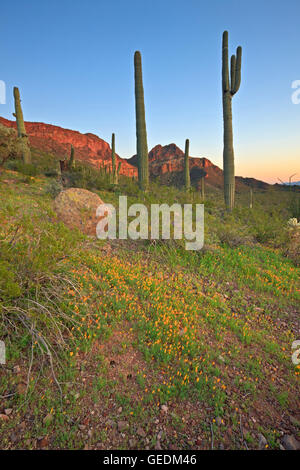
(113, 161)
(21, 127)
(203, 186)
(72, 158)
(230, 87)
(187, 178)
(141, 133)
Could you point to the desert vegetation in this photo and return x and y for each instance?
(142, 344)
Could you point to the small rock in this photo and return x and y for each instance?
(42, 443)
(164, 408)
(289, 442)
(48, 418)
(262, 441)
(122, 425)
(4, 417)
(141, 432)
(132, 443)
(295, 421)
(158, 446)
(110, 423)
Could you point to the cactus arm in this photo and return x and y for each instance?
(238, 67)
(232, 72)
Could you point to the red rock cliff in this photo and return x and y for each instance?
(168, 161)
(57, 140)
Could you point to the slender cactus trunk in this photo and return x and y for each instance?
(187, 178)
(141, 133)
(21, 127)
(228, 152)
(203, 188)
(113, 159)
(251, 198)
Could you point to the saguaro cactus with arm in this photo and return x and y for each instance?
(187, 178)
(21, 127)
(141, 133)
(230, 87)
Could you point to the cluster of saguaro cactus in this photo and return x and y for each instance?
(187, 178)
(231, 80)
(21, 127)
(141, 133)
(230, 86)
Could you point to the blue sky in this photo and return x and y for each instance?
(73, 63)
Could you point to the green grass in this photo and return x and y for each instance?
(145, 325)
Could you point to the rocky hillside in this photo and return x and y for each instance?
(57, 140)
(165, 161)
(168, 162)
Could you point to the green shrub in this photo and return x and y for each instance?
(53, 188)
(9, 287)
(21, 167)
(51, 173)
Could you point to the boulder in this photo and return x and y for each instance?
(77, 207)
(290, 442)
